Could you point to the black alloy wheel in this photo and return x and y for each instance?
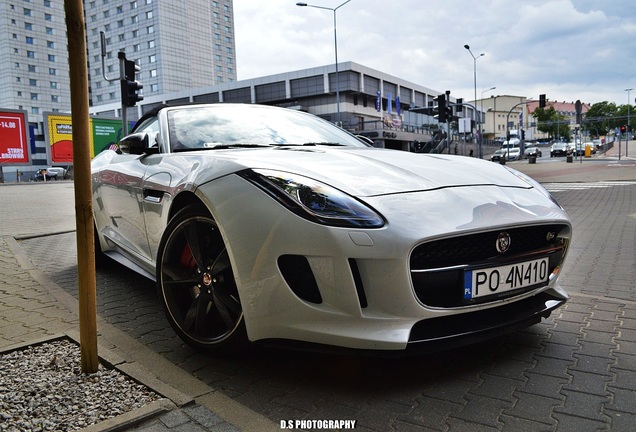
(196, 283)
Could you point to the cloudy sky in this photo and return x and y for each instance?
(567, 49)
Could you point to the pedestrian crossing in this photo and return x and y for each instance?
(560, 187)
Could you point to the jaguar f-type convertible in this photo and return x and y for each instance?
(265, 224)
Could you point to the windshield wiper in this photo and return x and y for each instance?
(334, 144)
(207, 146)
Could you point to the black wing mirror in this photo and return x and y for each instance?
(137, 144)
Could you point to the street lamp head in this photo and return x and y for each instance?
(467, 47)
(301, 4)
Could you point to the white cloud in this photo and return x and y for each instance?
(567, 49)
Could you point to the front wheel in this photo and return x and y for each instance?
(196, 283)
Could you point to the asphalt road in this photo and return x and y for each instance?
(574, 371)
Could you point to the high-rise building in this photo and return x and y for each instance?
(33, 57)
(177, 45)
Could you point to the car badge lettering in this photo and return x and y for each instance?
(503, 242)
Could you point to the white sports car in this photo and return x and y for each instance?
(272, 225)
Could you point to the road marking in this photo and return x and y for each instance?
(560, 187)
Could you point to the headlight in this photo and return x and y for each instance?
(314, 200)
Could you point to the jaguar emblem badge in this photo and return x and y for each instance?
(503, 242)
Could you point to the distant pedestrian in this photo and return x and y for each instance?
(471, 152)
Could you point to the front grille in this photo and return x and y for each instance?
(437, 267)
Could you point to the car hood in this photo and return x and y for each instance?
(368, 171)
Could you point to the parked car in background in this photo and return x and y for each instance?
(513, 153)
(532, 151)
(497, 155)
(559, 149)
(52, 173)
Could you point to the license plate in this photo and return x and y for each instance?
(497, 280)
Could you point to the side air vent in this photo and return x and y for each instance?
(298, 275)
(362, 298)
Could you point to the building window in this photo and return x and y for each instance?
(28, 12)
(34, 96)
(120, 9)
(121, 37)
(35, 110)
(120, 23)
(49, 31)
(150, 29)
(152, 58)
(47, 3)
(153, 73)
(52, 71)
(29, 40)
(48, 17)
(54, 98)
(32, 68)
(51, 58)
(149, 15)
(151, 44)
(136, 48)
(53, 84)
(31, 54)
(28, 26)
(135, 33)
(134, 19)
(133, 5)
(50, 44)
(154, 87)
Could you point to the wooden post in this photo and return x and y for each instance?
(83, 192)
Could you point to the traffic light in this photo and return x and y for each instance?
(541, 101)
(623, 129)
(460, 106)
(441, 108)
(129, 86)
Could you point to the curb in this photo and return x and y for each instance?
(128, 356)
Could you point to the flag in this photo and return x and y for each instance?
(397, 105)
(388, 103)
(378, 101)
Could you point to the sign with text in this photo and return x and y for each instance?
(14, 141)
(105, 133)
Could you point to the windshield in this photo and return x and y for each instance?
(222, 126)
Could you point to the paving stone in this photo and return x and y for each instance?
(571, 423)
(588, 383)
(482, 410)
(534, 407)
(583, 405)
(543, 385)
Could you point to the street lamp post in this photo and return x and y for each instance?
(481, 101)
(335, 43)
(475, 81)
(628, 106)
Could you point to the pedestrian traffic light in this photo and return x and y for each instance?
(623, 129)
(129, 86)
(541, 101)
(441, 108)
(460, 105)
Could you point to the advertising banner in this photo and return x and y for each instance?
(105, 133)
(14, 138)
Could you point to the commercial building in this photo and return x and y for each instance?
(372, 103)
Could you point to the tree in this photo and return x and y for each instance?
(601, 118)
(551, 122)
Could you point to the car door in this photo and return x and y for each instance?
(122, 197)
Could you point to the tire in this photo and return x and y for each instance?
(196, 284)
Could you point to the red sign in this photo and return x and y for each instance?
(14, 146)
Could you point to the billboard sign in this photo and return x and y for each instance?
(104, 133)
(14, 138)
